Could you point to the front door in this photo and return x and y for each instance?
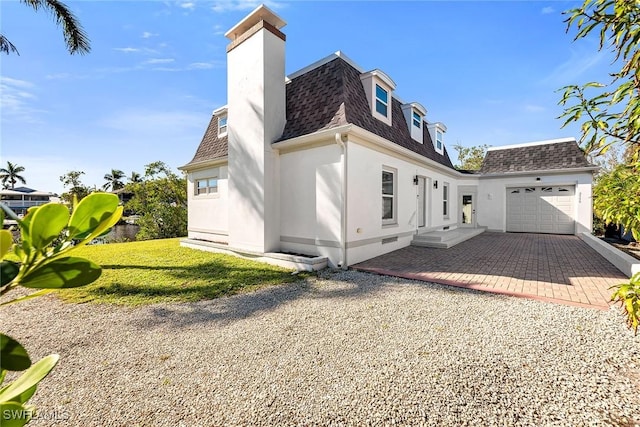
(468, 211)
(422, 200)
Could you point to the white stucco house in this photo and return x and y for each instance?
(330, 162)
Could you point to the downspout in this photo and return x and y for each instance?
(343, 202)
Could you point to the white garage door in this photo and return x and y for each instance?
(541, 209)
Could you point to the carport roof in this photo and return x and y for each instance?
(537, 156)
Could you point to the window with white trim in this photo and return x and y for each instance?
(206, 186)
(222, 125)
(439, 139)
(445, 200)
(389, 196)
(382, 101)
(417, 119)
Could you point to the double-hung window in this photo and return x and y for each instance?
(207, 186)
(439, 138)
(382, 101)
(222, 125)
(417, 119)
(388, 196)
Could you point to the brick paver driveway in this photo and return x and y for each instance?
(546, 267)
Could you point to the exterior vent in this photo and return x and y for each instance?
(389, 240)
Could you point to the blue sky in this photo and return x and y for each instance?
(156, 71)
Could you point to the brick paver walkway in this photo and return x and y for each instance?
(546, 267)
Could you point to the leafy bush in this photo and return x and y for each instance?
(628, 294)
(48, 233)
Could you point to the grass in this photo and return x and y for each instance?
(158, 271)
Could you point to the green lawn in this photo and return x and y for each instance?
(155, 271)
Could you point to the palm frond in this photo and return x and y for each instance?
(6, 46)
(76, 39)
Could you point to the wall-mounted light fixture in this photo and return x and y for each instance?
(435, 184)
(415, 180)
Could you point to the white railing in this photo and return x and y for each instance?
(24, 203)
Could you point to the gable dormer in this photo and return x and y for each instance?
(379, 89)
(221, 114)
(414, 115)
(437, 131)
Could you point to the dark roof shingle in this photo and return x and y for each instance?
(552, 156)
(325, 97)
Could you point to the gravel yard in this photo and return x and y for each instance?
(349, 348)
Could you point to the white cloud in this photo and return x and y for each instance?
(127, 49)
(234, 5)
(148, 35)
(573, 69)
(547, 10)
(218, 30)
(159, 61)
(201, 66)
(17, 99)
(188, 5)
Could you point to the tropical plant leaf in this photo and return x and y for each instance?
(14, 414)
(68, 272)
(29, 378)
(6, 240)
(26, 297)
(13, 356)
(91, 212)
(47, 223)
(8, 271)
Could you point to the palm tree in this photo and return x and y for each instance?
(11, 174)
(114, 180)
(74, 35)
(135, 178)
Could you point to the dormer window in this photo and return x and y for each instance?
(382, 101)
(414, 115)
(222, 115)
(379, 90)
(436, 131)
(222, 125)
(417, 119)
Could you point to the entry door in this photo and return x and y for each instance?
(422, 200)
(467, 211)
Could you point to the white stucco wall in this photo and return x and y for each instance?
(365, 230)
(256, 117)
(208, 214)
(310, 196)
(491, 206)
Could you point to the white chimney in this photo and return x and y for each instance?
(256, 118)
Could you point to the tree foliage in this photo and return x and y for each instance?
(609, 111)
(161, 201)
(470, 158)
(75, 38)
(44, 263)
(11, 175)
(615, 197)
(77, 190)
(113, 180)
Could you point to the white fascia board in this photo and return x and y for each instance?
(540, 172)
(534, 143)
(310, 138)
(220, 111)
(204, 164)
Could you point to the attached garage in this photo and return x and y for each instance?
(548, 209)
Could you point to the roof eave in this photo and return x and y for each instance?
(202, 164)
(539, 172)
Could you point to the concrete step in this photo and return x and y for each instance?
(445, 239)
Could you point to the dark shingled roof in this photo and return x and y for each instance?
(326, 97)
(559, 155)
(211, 147)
